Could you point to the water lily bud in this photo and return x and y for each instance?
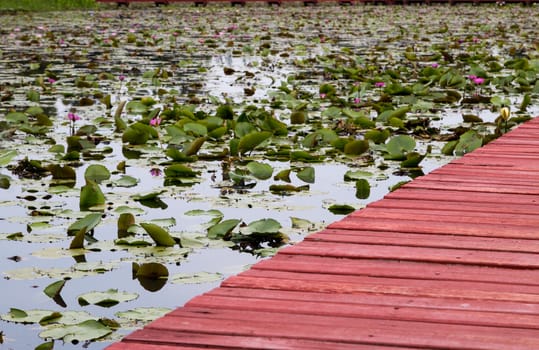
(504, 113)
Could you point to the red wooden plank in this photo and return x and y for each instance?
(437, 303)
(453, 195)
(150, 346)
(409, 253)
(487, 188)
(398, 268)
(354, 331)
(394, 238)
(447, 216)
(179, 339)
(487, 208)
(379, 286)
(436, 227)
(481, 178)
(318, 312)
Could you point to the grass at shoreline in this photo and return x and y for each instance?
(47, 5)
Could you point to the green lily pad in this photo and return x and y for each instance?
(160, 236)
(196, 278)
(7, 156)
(262, 226)
(84, 331)
(222, 229)
(259, 170)
(363, 189)
(125, 181)
(143, 314)
(306, 175)
(107, 298)
(91, 196)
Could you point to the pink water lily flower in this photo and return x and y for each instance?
(478, 80)
(155, 121)
(73, 117)
(155, 172)
(379, 84)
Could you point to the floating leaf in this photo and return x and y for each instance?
(250, 141)
(144, 314)
(53, 290)
(5, 182)
(259, 170)
(87, 223)
(356, 147)
(399, 145)
(261, 226)
(97, 173)
(363, 189)
(222, 229)
(353, 175)
(107, 298)
(45, 346)
(152, 271)
(468, 142)
(199, 277)
(84, 331)
(341, 209)
(160, 236)
(306, 175)
(7, 156)
(125, 181)
(91, 196)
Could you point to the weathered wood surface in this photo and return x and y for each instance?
(448, 261)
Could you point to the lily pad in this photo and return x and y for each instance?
(159, 235)
(107, 298)
(196, 278)
(84, 331)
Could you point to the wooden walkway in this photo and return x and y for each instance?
(448, 261)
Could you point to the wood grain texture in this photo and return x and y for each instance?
(448, 261)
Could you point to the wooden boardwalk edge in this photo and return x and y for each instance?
(447, 261)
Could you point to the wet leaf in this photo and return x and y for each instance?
(259, 170)
(144, 314)
(125, 181)
(400, 145)
(7, 156)
(468, 142)
(261, 226)
(91, 196)
(87, 223)
(5, 182)
(53, 290)
(97, 173)
(160, 236)
(363, 189)
(87, 330)
(306, 175)
(250, 141)
(196, 278)
(45, 346)
(222, 229)
(341, 209)
(107, 298)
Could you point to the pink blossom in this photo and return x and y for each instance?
(155, 121)
(121, 77)
(472, 77)
(435, 65)
(379, 84)
(322, 95)
(51, 80)
(155, 172)
(478, 81)
(357, 100)
(73, 117)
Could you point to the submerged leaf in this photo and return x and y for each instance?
(87, 330)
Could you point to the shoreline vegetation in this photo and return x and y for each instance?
(50, 5)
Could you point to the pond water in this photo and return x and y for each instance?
(342, 66)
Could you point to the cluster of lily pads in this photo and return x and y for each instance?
(123, 130)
